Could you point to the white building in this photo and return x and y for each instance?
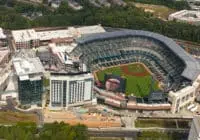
(31, 38)
(71, 32)
(25, 38)
(70, 89)
(187, 16)
(195, 129)
(3, 38)
(9, 94)
(53, 34)
(62, 51)
(184, 96)
(90, 30)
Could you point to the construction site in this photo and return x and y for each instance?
(93, 117)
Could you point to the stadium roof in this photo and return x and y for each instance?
(192, 67)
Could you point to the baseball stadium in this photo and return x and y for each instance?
(138, 66)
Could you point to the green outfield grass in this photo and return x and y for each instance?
(135, 85)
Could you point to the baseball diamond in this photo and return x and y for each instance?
(137, 75)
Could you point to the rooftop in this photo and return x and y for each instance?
(26, 66)
(182, 92)
(73, 76)
(52, 34)
(62, 51)
(196, 121)
(3, 53)
(91, 29)
(2, 35)
(70, 32)
(24, 35)
(187, 15)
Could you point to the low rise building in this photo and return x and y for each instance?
(25, 39)
(67, 35)
(195, 129)
(29, 73)
(4, 56)
(187, 16)
(69, 89)
(48, 35)
(85, 30)
(31, 38)
(3, 38)
(55, 3)
(184, 97)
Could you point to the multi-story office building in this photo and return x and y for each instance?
(30, 79)
(195, 129)
(70, 89)
(3, 38)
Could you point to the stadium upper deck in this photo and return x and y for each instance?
(191, 68)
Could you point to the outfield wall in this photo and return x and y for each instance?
(116, 101)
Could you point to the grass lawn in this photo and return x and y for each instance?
(15, 117)
(155, 123)
(159, 11)
(162, 123)
(154, 135)
(135, 85)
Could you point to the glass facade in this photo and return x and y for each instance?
(30, 91)
(64, 93)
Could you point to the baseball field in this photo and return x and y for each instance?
(139, 81)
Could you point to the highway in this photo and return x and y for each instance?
(113, 133)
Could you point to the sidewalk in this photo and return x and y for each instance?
(33, 107)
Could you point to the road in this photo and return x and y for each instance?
(113, 133)
(132, 132)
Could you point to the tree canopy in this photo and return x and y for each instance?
(52, 131)
(118, 17)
